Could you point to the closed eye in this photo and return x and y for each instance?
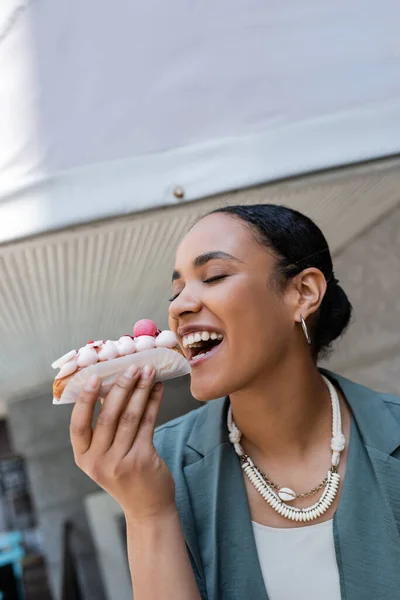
(174, 297)
(215, 278)
(209, 280)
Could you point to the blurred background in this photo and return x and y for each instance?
(120, 124)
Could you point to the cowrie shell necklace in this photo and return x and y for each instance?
(277, 497)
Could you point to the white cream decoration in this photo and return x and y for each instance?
(166, 339)
(87, 356)
(108, 350)
(60, 362)
(68, 368)
(145, 342)
(126, 345)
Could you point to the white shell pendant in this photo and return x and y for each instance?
(286, 494)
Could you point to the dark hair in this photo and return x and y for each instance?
(298, 243)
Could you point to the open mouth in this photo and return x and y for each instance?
(201, 344)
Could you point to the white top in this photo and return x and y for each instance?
(298, 562)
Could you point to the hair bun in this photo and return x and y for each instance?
(332, 279)
(335, 315)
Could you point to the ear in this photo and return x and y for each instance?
(308, 293)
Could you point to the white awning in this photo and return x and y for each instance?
(105, 108)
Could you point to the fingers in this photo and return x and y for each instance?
(147, 425)
(130, 410)
(131, 417)
(113, 406)
(82, 415)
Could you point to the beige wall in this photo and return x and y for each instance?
(369, 270)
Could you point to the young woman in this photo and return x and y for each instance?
(286, 486)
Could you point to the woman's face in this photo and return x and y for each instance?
(221, 289)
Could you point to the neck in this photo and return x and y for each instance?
(286, 412)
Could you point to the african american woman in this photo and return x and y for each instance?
(286, 483)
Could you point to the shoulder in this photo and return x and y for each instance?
(390, 399)
(371, 397)
(366, 395)
(377, 414)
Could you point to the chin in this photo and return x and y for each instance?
(205, 389)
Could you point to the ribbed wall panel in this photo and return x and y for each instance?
(62, 289)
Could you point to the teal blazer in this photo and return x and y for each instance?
(215, 517)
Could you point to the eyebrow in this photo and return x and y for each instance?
(203, 259)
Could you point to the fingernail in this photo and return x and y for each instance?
(91, 383)
(158, 386)
(147, 370)
(131, 372)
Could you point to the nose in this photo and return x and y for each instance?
(185, 303)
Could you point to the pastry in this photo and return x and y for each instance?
(109, 359)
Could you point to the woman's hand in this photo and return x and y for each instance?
(118, 452)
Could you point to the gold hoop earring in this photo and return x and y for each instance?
(305, 329)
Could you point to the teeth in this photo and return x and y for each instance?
(200, 355)
(200, 336)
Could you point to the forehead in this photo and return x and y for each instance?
(214, 232)
(217, 232)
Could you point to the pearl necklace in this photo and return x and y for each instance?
(277, 500)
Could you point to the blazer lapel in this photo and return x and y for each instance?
(221, 513)
(368, 517)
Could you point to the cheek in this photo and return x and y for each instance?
(248, 310)
(255, 324)
(258, 333)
